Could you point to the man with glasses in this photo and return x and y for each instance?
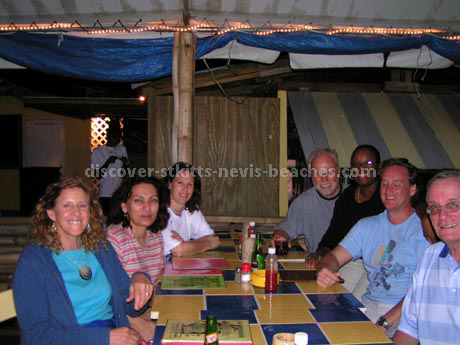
(390, 245)
(432, 305)
(361, 199)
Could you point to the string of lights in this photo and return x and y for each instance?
(204, 26)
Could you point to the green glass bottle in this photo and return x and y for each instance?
(210, 334)
(258, 257)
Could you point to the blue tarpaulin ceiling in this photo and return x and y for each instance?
(133, 60)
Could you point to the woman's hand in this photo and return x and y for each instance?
(146, 328)
(140, 291)
(176, 236)
(124, 336)
(213, 241)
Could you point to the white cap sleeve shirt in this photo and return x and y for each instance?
(112, 177)
(190, 226)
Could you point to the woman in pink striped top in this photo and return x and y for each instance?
(138, 213)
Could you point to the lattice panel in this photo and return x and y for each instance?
(99, 126)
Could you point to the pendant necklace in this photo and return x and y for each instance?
(84, 270)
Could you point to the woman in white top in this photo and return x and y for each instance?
(187, 231)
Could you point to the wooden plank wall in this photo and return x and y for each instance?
(227, 135)
(160, 121)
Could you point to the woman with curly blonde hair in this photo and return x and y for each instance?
(69, 285)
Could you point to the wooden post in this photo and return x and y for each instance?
(183, 88)
(283, 187)
(175, 88)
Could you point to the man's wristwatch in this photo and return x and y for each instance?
(383, 322)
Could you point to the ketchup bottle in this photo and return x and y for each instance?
(271, 271)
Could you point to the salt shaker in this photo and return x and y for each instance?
(300, 338)
(238, 275)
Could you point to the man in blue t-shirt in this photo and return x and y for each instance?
(390, 245)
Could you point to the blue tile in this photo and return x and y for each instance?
(216, 303)
(315, 336)
(226, 249)
(159, 331)
(345, 300)
(229, 275)
(177, 292)
(288, 287)
(231, 314)
(336, 314)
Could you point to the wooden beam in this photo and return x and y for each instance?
(81, 100)
(223, 75)
(283, 180)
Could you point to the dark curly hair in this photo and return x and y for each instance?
(195, 200)
(124, 192)
(41, 224)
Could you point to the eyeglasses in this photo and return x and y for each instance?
(368, 164)
(450, 207)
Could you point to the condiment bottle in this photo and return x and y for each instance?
(251, 229)
(271, 271)
(210, 334)
(238, 275)
(301, 338)
(258, 257)
(246, 272)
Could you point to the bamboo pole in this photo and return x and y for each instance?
(176, 94)
(187, 47)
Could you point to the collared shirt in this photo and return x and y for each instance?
(431, 311)
(190, 226)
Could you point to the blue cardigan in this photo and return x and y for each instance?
(44, 309)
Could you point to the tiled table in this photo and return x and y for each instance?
(329, 316)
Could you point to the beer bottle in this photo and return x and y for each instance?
(257, 251)
(210, 333)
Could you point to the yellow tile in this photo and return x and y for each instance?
(178, 307)
(234, 264)
(293, 255)
(353, 333)
(284, 316)
(226, 242)
(287, 302)
(283, 309)
(232, 289)
(293, 265)
(313, 287)
(257, 335)
(231, 256)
